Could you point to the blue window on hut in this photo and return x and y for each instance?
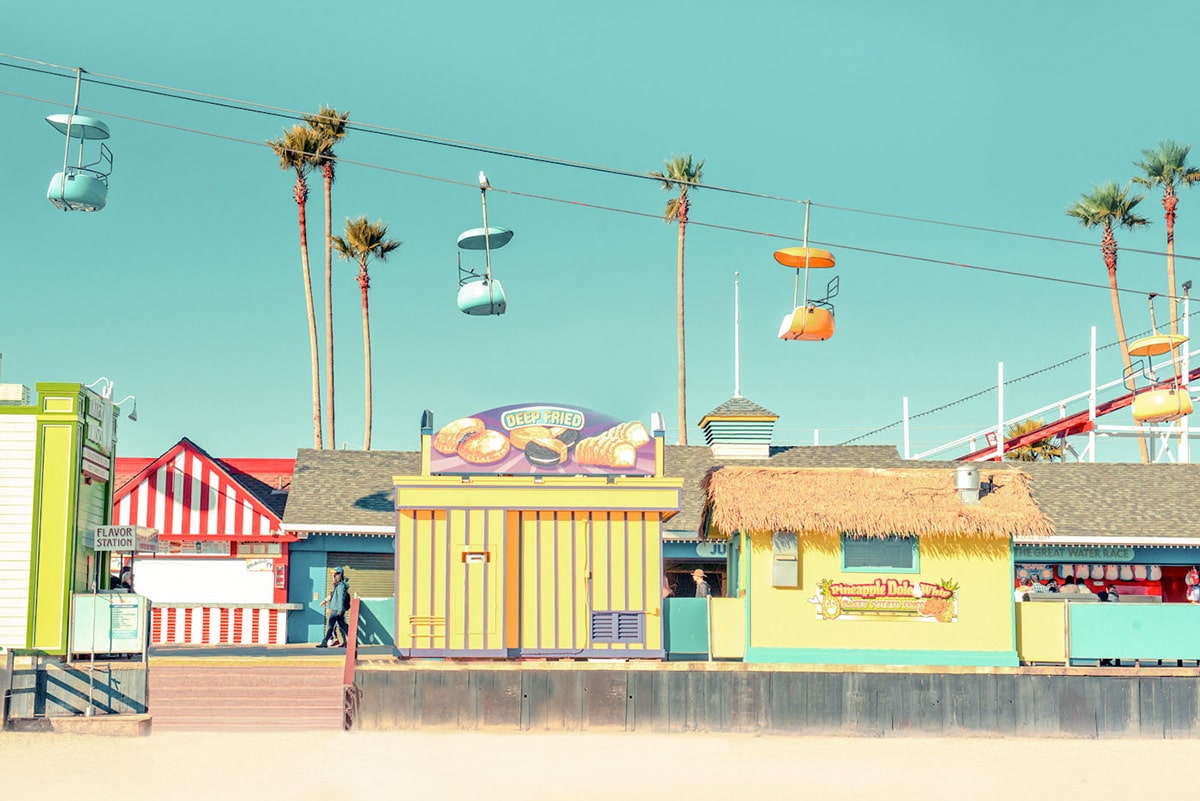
(892, 554)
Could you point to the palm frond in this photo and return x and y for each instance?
(297, 149)
(1108, 204)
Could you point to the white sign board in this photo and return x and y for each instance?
(122, 539)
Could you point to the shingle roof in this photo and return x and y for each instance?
(1117, 499)
(740, 406)
(346, 488)
(354, 488)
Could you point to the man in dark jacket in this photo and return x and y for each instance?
(339, 603)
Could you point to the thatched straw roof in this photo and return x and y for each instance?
(870, 502)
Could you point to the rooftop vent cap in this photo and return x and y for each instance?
(966, 481)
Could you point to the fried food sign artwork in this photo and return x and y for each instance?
(543, 438)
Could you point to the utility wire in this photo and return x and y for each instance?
(619, 210)
(189, 95)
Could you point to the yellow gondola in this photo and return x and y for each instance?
(1161, 405)
(1156, 344)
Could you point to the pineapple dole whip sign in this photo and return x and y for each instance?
(883, 598)
(543, 438)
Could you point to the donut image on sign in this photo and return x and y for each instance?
(454, 432)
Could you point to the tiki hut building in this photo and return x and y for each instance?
(905, 566)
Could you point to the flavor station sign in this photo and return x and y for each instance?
(887, 598)
(541, 439)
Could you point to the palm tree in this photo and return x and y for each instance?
(1167, 167)
(1041, 450)
(681, 174)
(296, 151)
(1109, 206)
(330, 127)
(363, 242)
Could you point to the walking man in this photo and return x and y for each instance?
(339, 603)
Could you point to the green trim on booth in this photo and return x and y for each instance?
(879, 656)
(1012, 596)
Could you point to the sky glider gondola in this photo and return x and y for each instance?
(481, 294)
(80, 186)
(811, 320)
(1158, 404)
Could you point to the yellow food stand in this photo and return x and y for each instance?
(533, 531)
(905, 566)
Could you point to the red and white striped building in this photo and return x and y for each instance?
(218, 573)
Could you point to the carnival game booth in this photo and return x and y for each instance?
(1128, 533)
(216, 573)
(869, 566)
(533, 531)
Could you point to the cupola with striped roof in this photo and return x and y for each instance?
(739, 429)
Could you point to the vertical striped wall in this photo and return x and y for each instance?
(18, 437)
(185, 624)
(188, 495)
(474, 582)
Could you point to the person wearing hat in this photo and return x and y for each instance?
(702, 590)
(338, 601)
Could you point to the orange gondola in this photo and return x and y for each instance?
(809, 320)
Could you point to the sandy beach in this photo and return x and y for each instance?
(304, 766)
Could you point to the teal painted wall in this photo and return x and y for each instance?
(685, 627)
(1135, 631)
(307, 559)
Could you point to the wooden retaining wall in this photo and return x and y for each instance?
(1037, 702)
(56, 689)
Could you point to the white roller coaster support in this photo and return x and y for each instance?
(1185, 448)
(999, 410)
(1091, 446)
(1090, 396)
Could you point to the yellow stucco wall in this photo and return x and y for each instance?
(1042, 632)
(788, 618)
(507, 563)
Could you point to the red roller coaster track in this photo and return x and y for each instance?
(1080, 423)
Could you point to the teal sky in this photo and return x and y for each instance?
(186, 290)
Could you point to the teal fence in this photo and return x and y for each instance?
(1129, 631)
(685, 628)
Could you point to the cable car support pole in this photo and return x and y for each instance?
(487, 246)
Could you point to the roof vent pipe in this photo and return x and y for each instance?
(966, 481)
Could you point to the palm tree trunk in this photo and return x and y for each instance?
(1109, 248)
(683, 424)
(679, 327)
(1170, 200)
(300, 193)
(327, 172)
(364, 283)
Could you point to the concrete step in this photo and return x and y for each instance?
(299, 723)
(201, 702)
(245, 696)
